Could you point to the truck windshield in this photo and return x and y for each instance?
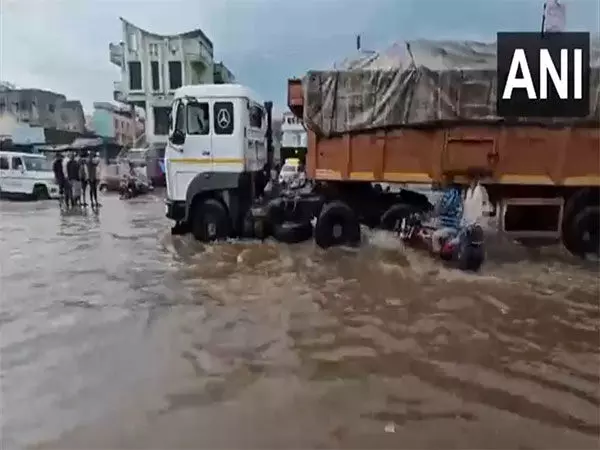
(289, 169)
(37, 164)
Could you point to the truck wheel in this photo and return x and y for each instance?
(293, 232)
(337, 225)
(585, 231)
(392, 218)
(40, 192)
(210, 221)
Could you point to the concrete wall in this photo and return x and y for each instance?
(40, 108)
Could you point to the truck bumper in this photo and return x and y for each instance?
(175, 210)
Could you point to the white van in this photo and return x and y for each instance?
(215, 155)
(27, 175)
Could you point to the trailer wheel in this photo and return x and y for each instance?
(337, 225)
(293, 232)
(392, 218)
(585, 231)
(210, 221)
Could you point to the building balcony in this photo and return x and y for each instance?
(116, 52)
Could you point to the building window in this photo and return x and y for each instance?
(155, 75)
(51, 108)
(154, 49)
(135, 75)
(132, 41)
(116, 123)
(175, 75)
(161, 120)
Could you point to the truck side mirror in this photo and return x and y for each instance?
(177, 138)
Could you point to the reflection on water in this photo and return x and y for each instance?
(116, 335)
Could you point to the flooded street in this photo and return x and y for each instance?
(113, 334)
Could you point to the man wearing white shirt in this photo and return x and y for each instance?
(476, 204)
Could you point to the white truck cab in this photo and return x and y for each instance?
(27, 175)
(219, 141)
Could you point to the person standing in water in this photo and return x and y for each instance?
(61, 179)
(92, 173)
(83, 177)
(73, 177)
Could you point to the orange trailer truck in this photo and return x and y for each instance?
(542, 176)
(412, 114)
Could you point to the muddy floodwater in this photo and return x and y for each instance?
(113, 334)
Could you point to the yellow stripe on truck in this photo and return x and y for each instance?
(207, 160)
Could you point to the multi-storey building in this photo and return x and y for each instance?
(153, 66)
(293, 134)
(40, 108)
(118, 122)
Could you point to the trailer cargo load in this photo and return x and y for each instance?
(415, 83)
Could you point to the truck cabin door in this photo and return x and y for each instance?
(190, 146)
(228, 150)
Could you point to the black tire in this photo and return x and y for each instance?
(573, 206)
(179, 229)
(293, 232)
(276, 211)
(337, 225)
(210, 221)
(585, 232)
(255, 227)
(40, 192)
(103, 187)
(469, 258)
(392, 218)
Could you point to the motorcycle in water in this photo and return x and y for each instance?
(130, 188)
(466, 250)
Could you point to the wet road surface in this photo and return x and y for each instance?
(113, 334)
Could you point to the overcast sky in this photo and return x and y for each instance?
(62, 45)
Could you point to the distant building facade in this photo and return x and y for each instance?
(40, 108)
(118, 122)
(293, 133)
(153, 66)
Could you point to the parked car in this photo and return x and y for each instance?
(27, 175)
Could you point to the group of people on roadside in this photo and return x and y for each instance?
(456, 210)
(75, 175)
